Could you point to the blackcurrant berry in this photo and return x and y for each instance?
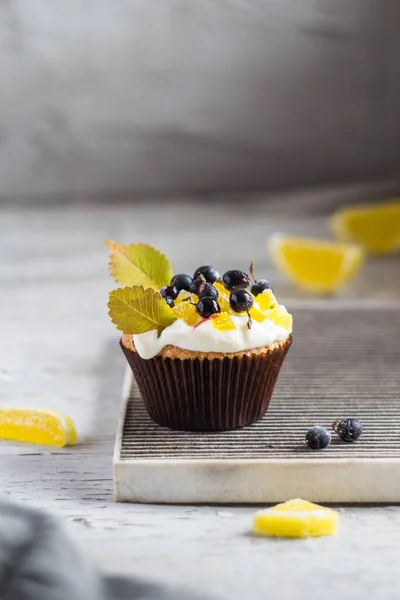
(194, 286)
(318, 438)
(207, 307)
(260, 286)
(181, 281)
(207, 290)
(349, 430)
(234, 280)
(240, 301)
(170, 291)
(209, 273)
(169, 301)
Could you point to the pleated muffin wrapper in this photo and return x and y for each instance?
(208, 394)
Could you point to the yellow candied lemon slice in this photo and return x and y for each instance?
(375, 226)
(295, 519)
(315, 265)
(222, 322)
(257, 315)
(280, 317)
(223, 298)
(193, 319)
(186, 311)
(183, 295)
(220, 287)
(266, 300)
(37, 426)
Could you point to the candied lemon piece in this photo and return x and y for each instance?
(257, 315)
(266, 300)
(223, 298)
(220, 287)
(37, 426)
(280, 317)
(224, 305)
(183, 309)
(315, 265)
(183, 295)
(187, 312)
(222, 322)
(375, 226)
(296, 519)
(193, 319)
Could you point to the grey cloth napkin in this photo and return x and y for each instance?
(39, 562)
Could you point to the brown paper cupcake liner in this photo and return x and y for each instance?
(201, 394)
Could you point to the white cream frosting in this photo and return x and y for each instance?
(206, 338)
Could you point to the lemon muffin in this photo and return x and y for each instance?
(206, 350)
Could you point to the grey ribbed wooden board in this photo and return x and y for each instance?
(343, 362)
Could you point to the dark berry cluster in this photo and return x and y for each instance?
(240, 300)
(201, 284)
(348, 430)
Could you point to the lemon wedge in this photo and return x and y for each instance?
(375, 226)
(296, 519)
(37, 426)
(315, 265)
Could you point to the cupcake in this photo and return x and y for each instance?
(206, 350)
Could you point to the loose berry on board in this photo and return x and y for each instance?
(318, 438)
(349, 430)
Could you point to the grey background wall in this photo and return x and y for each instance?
(167, 95)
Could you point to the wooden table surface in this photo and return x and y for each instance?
(59, 350)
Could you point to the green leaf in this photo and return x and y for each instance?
(137, 310)
(139, 264)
